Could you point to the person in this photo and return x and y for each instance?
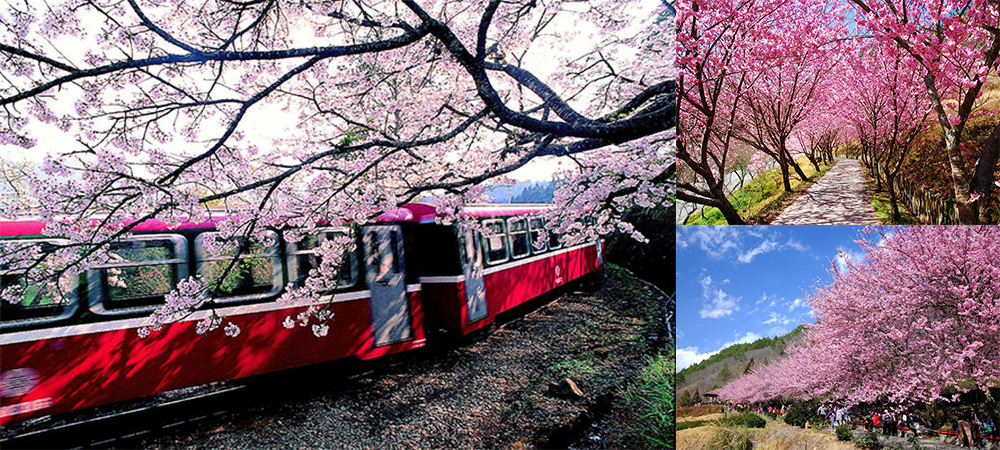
(964, 433)
(977, 431)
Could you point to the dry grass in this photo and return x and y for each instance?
(775, 436)
(704, 417)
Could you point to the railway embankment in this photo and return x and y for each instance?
(559, 373)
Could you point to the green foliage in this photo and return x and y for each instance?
(697, 397)
(758, 196)
(691, 424)
(843, 433)
(649, 403)
(686, 398)
(746, 420)
(801, 413)
(748, 367)
(869, 441)
(731, 439)
(739, 349)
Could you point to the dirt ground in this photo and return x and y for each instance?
(493, 391)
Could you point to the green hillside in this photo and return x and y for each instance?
(732, 361)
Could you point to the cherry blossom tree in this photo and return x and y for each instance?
(730, 53)
(919, 315)
(298, 113)
(889, 109)
(954, 45)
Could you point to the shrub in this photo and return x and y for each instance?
(690, 424)
(800, 414)
(745, 420)
(869, 441)
(843, 433)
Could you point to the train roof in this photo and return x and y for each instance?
(411, 212)
(427, 212)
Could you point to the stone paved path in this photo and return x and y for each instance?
(839, 198)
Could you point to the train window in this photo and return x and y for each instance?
(535, 227)
(255, 275)
(302, 258)
(139, 273)
(519, 240)
(42, 302)
(495, 240)
(554, 240)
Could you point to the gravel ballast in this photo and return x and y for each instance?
(506, 387)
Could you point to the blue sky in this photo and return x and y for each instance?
(740, 283)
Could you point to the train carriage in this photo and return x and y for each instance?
(407, 274)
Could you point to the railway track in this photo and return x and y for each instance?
(105, 429)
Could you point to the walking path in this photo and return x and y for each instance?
(839, 198)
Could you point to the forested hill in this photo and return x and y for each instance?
(731, 362)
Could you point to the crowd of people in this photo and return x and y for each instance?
(836, 416)
(892, 424)
(972, 431)
(728, 408)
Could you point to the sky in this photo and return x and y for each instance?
(737, 284)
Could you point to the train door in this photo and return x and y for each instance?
(472, 268)
(386, 278)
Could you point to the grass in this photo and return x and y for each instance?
(621, 324)
(883, 206)
(761, 199)
(647, 406)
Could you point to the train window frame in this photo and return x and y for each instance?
(484, 242)
(97, 290)
(294, 249)
(531, 239)
(65, 310)
(510, 237)
(277, 267)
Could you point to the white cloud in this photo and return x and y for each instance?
(689, 356)
(776, 319)
(715, 241)
(794, 244)
(717, 303)
(745, 339)
(760, 249)
(798, 303)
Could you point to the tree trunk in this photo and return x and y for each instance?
(814, 161)
(959, 183)
(783, 164)
(730, 213)
(982, 180)
(798, 170)
(889, 182)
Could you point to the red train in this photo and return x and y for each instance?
(408, 275)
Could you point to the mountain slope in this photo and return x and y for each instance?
(712, 372)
